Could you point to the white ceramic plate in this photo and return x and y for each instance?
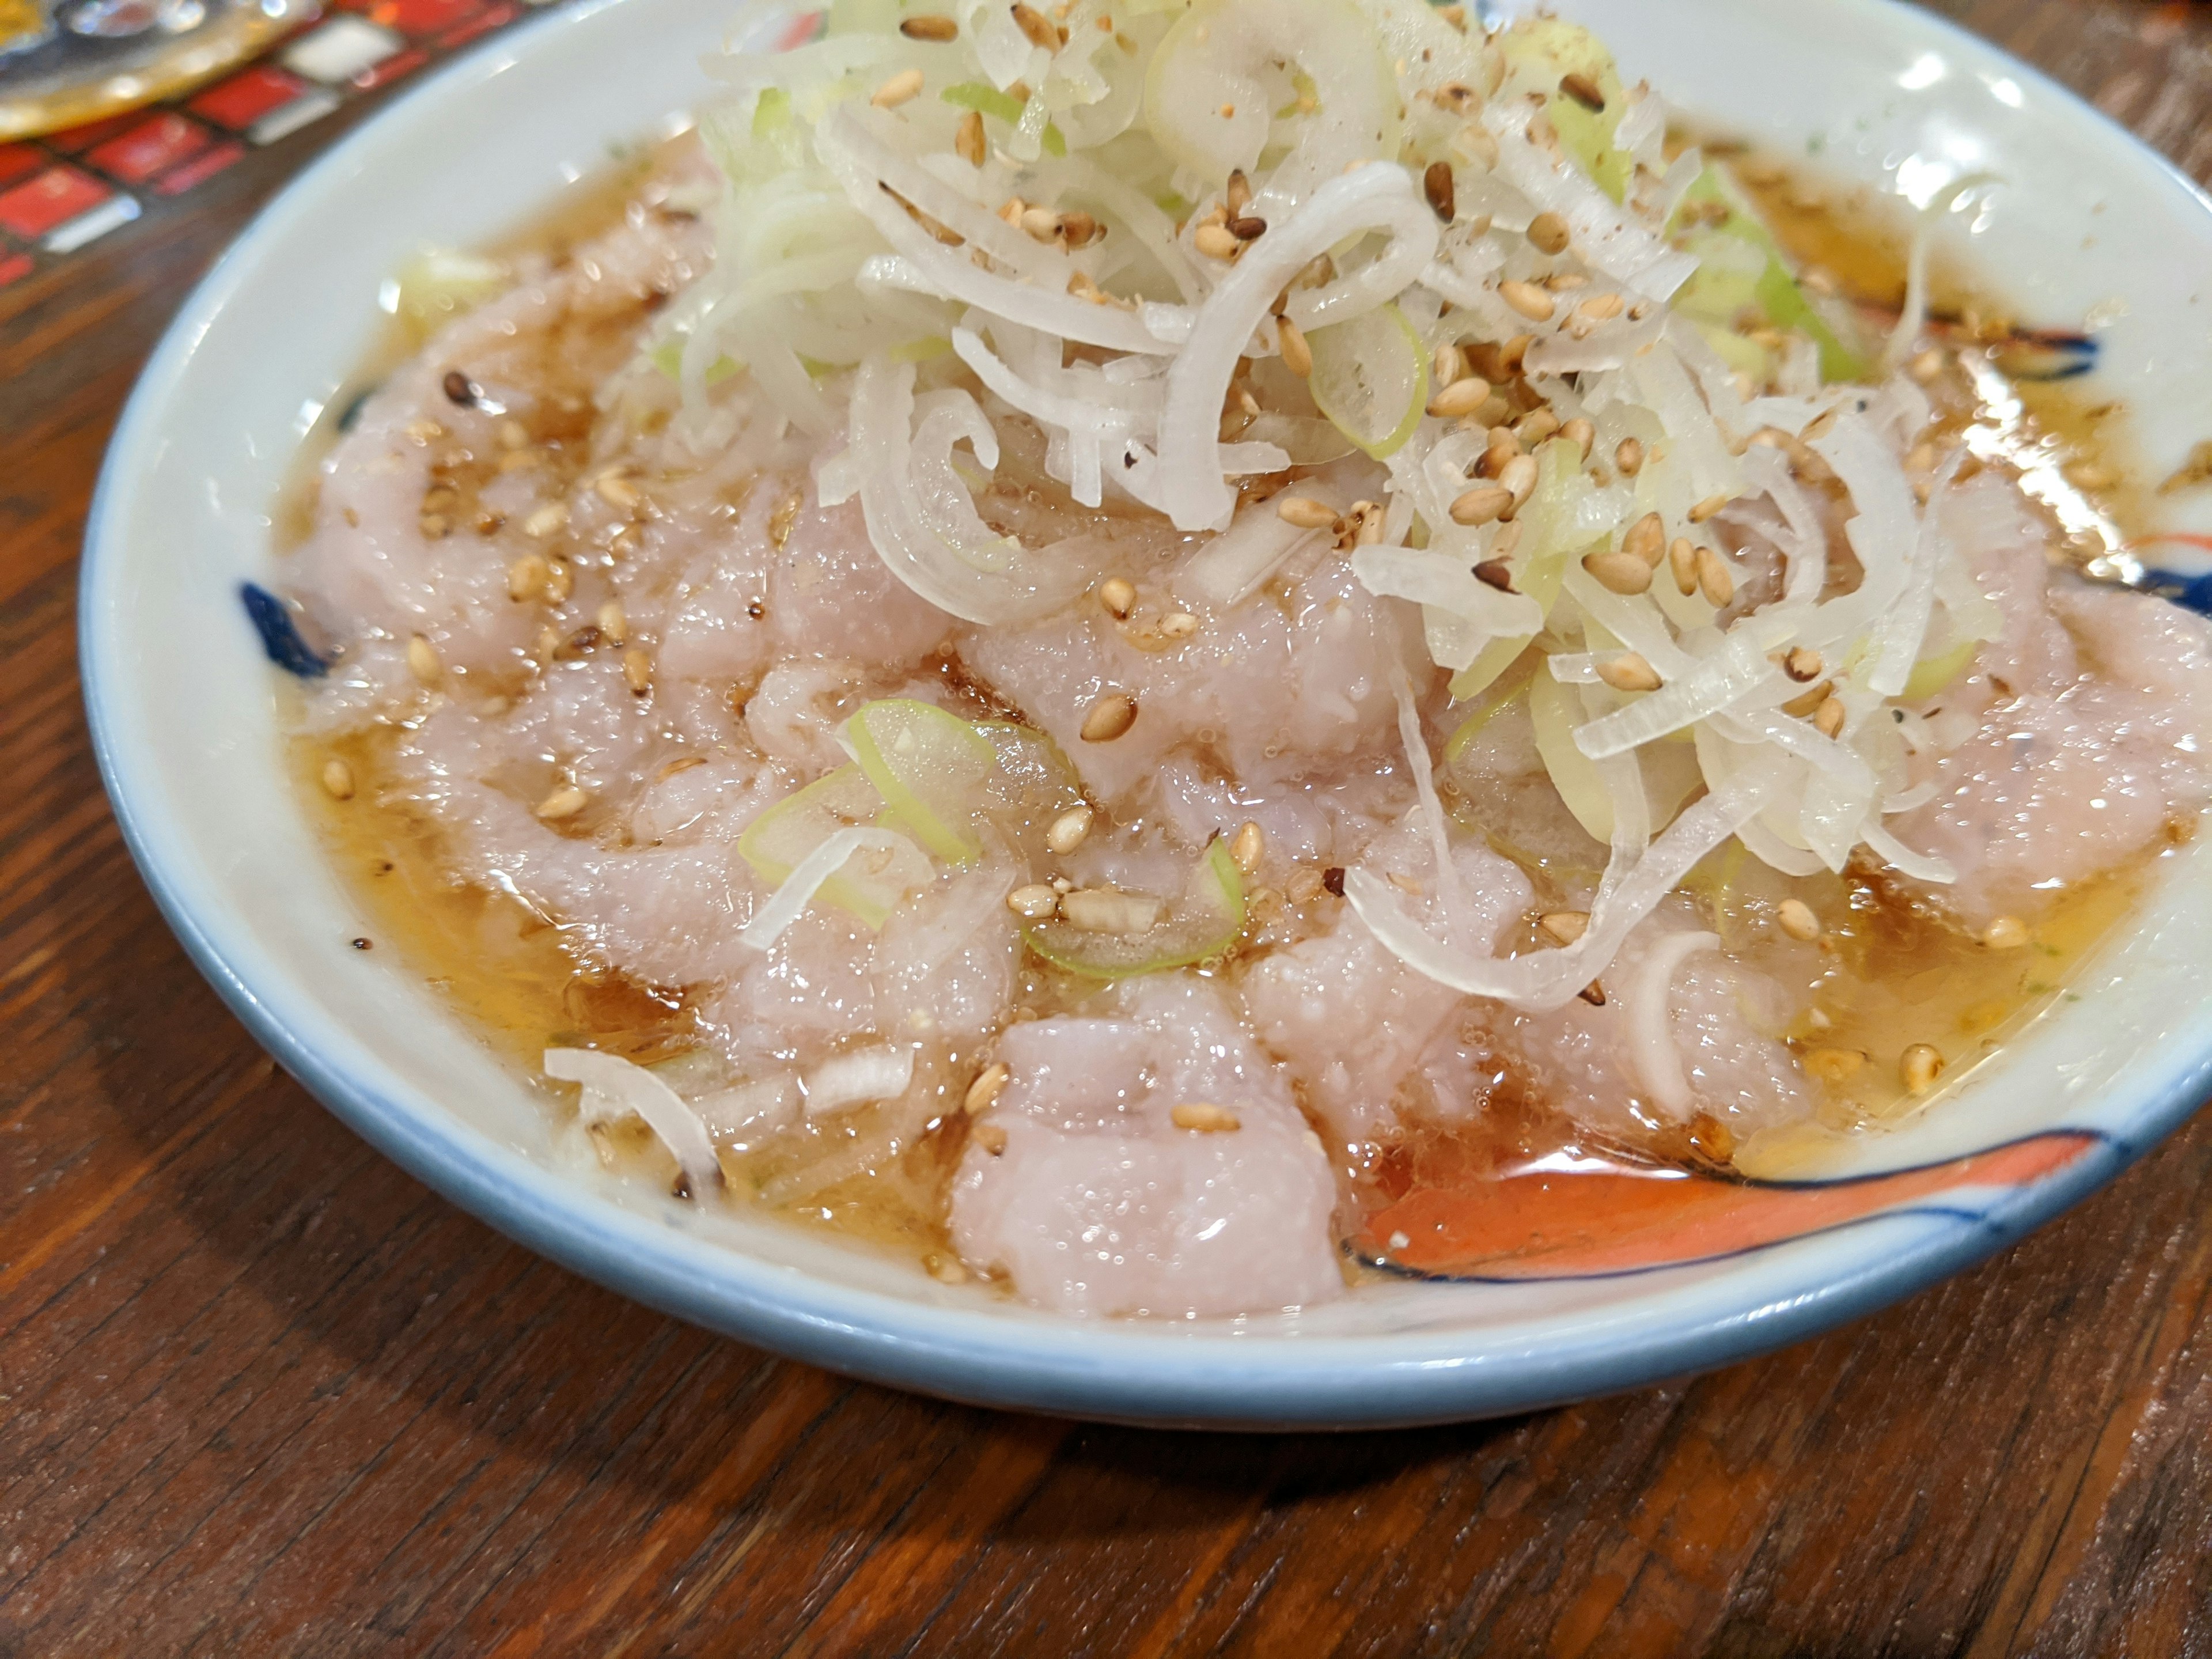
(183, 713)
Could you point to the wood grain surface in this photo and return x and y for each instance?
(260, 1393)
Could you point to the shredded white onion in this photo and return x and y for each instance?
(789, 901)
(614, 1087)
(879, 1073)
(1656, 1056)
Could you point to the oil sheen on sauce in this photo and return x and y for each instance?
(1901, 975)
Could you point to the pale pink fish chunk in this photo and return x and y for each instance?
(1349, 1019)
(1099, 1204)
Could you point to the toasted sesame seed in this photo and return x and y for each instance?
(1450, 364)
(2005, 934)
(930, 25)
(1584, 90)
(559, 581)
(637, 670)
(1178, 624)
(1481, 505)
(1713, 578)
(1215, 242)
(1332, 881)
(1437, 186)
(1646, 539)
(1531, 301)
(545, 645)
(458, 389)
(991, 1137)
(1919, 1066)
(968, 139)
(1600, 307)
(1619, 572)
(1119, 595)
(423, 660)
(1062, 885)
(1039, 28)
(1033, 903)
(1496, 573)
(983, 1093)
(1828, 718)
(616, 491)
(1238, 195)
(1628, 671)
(1798, 708)
(1111, 717)
(1247, 227)
(612, 621)
(1068, 830)
(1291, 340)
(1518, 476)
(1564, 925)
(1803, 665)
(1461, 397)
(1794, 917)
(1203, 1119)
(1579, 433)
(1593, 993)
(1249, 847)
(338, 779)
(1833, 1065)
(1548, 231)
(1629, 457)
(544, 520)
(564, 802)
(1079, 229)
(1040, 224)
(1926, 366)
(1306, 513)
(1707, 508)
(1535, 426)
(526, 578)
(1682, 560)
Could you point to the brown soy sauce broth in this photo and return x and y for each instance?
(1900, 973)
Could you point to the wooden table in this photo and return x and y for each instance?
(261, 1393)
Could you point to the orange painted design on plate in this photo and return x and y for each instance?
(1559, 1223)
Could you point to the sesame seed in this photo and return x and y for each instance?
(1564, 925)
(1068, 830)
(1437, 186)
(968, 139)
(1713, 578)
(1919, 1066)
(1828, 718)
(512, 434)
(1682, 560)
(544, 520)
(1247, 227)
(1629, 457)
(1584, 90)
(1119, 595)
(1461, 397)
(1202, 1119)
(1238, 195)
(1548, 231)
(564, 802)
(1833, 1065)
(613, 622)
(1249, 847)
(1111, 717)
(991, 1137)
(1033, 903)
(1798, 708)
(338, 779)
(930, 26)
(1803, 665)
(898, 89)
(1079, 229)
(1926, 366)
(1040, 224)
(1306, 513)
(1535, 426)
(1600, 307)
(1531, 301)
(616, 491)
(1707, 508)
(1041, 30)
(945, 1269)
(526, 578)
(2005, 934)
(1178, 624)
(1628, 671)
(1647, 539)
(1519, 477)
(1331, 880)
(1291, 340)
(423, 660)
(1450, 364)
(1215, 242)
(1481, 505)
(1619, 572)
(637, 670)
(1794, 917)
(1303, 887)
(1579, 433)
(559, 581)
(1496, 573)
(983, 1093)
(1593, 993)
(457, 388)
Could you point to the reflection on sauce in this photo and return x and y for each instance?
(1900, 974)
